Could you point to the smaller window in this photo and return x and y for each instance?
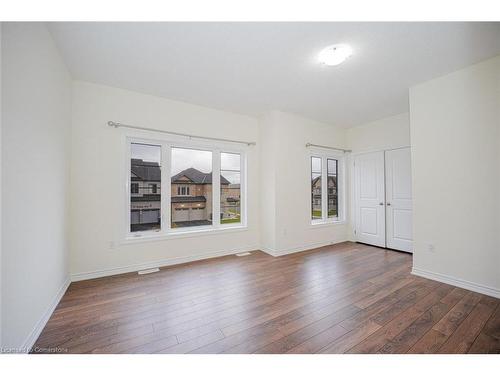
(326, 198)
(134, 188)
(153, 188)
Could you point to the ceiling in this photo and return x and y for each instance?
(251, 68)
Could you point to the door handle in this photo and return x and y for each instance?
(381, 204)
(388, 203)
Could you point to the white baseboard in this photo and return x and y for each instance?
(29, 342)
(298, 249)
(158, 263)
(469, 285)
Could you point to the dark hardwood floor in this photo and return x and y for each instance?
(346, 298)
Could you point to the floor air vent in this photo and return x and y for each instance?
(243, 254)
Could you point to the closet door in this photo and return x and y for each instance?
(398, 199)
(369, 198)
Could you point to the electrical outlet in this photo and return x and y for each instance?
(431, 248)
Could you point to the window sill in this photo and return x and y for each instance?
(321, 224)
(176, 234)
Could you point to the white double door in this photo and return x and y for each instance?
(383, 199)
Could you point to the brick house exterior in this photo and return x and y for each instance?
(145, 193)
(316, 193)
(191, 197)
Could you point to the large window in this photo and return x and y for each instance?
(175, 188)
(326, 188)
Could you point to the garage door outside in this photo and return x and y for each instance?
(181, 214)
(197, 214)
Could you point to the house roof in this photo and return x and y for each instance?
(332, 179)
(182, 199)
(146, 198)
(145, 170)
(197, 177)
(150, 171)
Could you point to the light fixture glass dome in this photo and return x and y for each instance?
(335, 55)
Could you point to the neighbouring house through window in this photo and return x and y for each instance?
(195, 198)
(230, 192)
(316, 207)
(145, 171)
(332, 172)
(194, 168)
(325, 188)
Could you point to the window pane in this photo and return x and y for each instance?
(191, 200)
(316, 188)
(145, 190)
(230, 193)
(332, 188)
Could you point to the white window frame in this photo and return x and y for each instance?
(167, 143)
(324, 155)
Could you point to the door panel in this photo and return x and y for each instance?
(369, 220)
(401, 224)
(399, 199)
(369, 198)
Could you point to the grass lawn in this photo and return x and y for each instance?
(317, 213)
(229, 221)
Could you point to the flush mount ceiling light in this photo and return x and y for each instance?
(335, 55)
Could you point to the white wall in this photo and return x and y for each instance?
(36, 95)
(97, 161)
(455, 144)
(287, 159)
(269, 141)
(384, 134)
(1, 26)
